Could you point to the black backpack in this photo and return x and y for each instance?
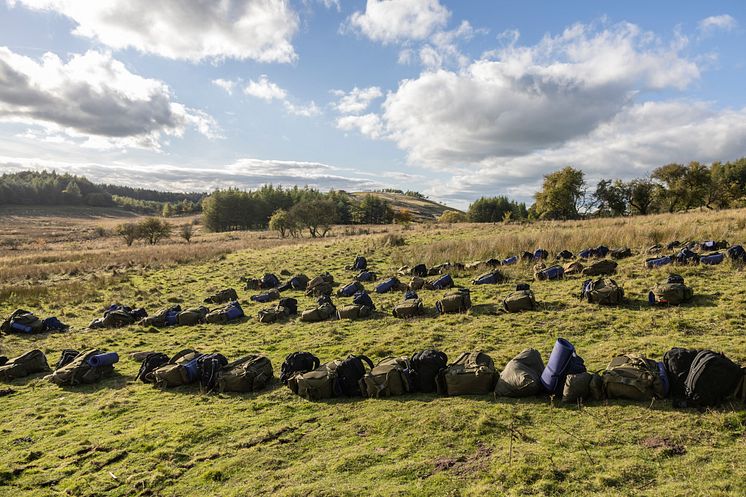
(711, 379)
(420, 270)
(151, 362)
(68, 355)
(426, 365)
(678, 362)
(349, 373)
(209, 366)
(290, 304)
(298, 362)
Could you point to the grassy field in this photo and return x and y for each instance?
(125, 438)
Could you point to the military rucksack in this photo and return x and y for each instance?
(522, 299)
(225, 314)
(319, 289)
(209, 367)
(247, 374)
(542, 273)
(621, 253)
(354, 311)
(192, 316)
(604, 291)
(31, 362)
(321, 313)
(22, 321)
(711, 379)
(678, 362)
(672, 292)
(635, 377)
(521, 376)
(316, 384)
(491, 278)
(582, 386)
(427, 365)
(390, 377)
(150, 363)
(408, 309)
(298, 362)
(417, 283)
(271, 315)
(363, 298)
(222, 297)
(350, 289)
(455, 301)
(268, 296)
(574, 267)
(80, 371)
(182, 369)
(66, 357)
(473, 373)
(601, 268)
(168, 316)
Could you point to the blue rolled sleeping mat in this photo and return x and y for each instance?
(562, 361)
(105, 359)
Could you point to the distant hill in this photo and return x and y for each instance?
(422, 208)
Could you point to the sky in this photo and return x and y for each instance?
(455, 99)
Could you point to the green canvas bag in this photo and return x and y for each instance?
(408, 309)
(33, 361)
(80, 372)
(520, 300)
(390, 377)
(473, 373)
(354, 312)
(633, 377)
(247, 374)
(317, 384)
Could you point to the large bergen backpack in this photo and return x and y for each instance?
(33, 361)
(349, 373)
(81, 370)
(152, 361)
(392, 376)
(473, 373)
(297, 362)
(522, 299)
(604, 291)
(712, 377)
(678, 362)
(427, 365)
(182, 369)
(454, 301)
(635, 377)
(248, 374)
(521, 376)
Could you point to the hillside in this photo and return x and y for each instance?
(423, 209)
(121, 437)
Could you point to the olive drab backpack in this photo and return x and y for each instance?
(354, 311)
(209, 367)
(672, 292)
(521, 376)
(192, 316)
(711, 379)
(26, 364)
(409, 308)
(604, 291)
(222, 297)
(601, 268)
(473, 373)
(522, 299)
(163, 317)
(635, 377)
(333, 379)
(542, 273)
(427, 365)
(80, 371)
(225, 314)
(454, 301)
(416, 283)
(582, 386)
(390, 377)
(182, 369)
(247, 374)
(298, 362)
(324, 310)
(150, 363)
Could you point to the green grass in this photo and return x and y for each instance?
(125, 438)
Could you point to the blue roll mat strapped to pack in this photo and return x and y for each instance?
(106, 359)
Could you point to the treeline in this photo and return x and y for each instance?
(293, 210)
(52, 188)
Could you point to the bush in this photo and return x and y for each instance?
(129, 231)
(186, 232)
(452, 217)
(154, 230)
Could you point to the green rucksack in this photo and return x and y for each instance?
(600, 268)
(604, 291)
(457, 300)
(473, 373)
(248, 374)
(520, 300)
(521, 377)
(78, 371)
(391, 376)
(408, 309)
(670, 293)
(317, 384)
(192, 316)
(321, 313)
(222, 297)
(582, 386)
(173, 373)
(354, 311)
(23, 318)
(31, 362)
(633, 377)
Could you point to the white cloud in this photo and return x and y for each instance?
(723, 22)
(369, 125)
(308, 110)
(356, 100)
(93, 100)
(192, 30)
(264, 89)
(225, 84)
(520, 99)
(391, 21)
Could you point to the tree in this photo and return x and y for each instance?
(562, 195)
(641, 195)
(154, 230)
(168, 210)
(280, 222)
(373, 210)
(129, 231)
(610, 198)
(452, 217)
(186, 232)
(316, 215)
(403, 216)
(493, 209)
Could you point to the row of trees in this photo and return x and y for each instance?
(152, 230)
(293, 210)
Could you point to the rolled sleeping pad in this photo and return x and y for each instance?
(386, 285)
(348, 290)
(172, 318)
(21, 327)
(586, 254)
(664, 379)
(192, 370)
(601, 251)
(557, 367)
(410, 295)
(712, 259)
(234, 311)
(658, 261)
(510, 260)
(443, 282)
(105, 359)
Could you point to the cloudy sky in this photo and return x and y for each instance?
(457, 99)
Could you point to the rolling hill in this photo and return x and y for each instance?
(422, 208)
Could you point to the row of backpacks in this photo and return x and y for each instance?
(690, 377)
(694, 378)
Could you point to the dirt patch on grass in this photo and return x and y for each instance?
(664, 446)
(465, 465)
